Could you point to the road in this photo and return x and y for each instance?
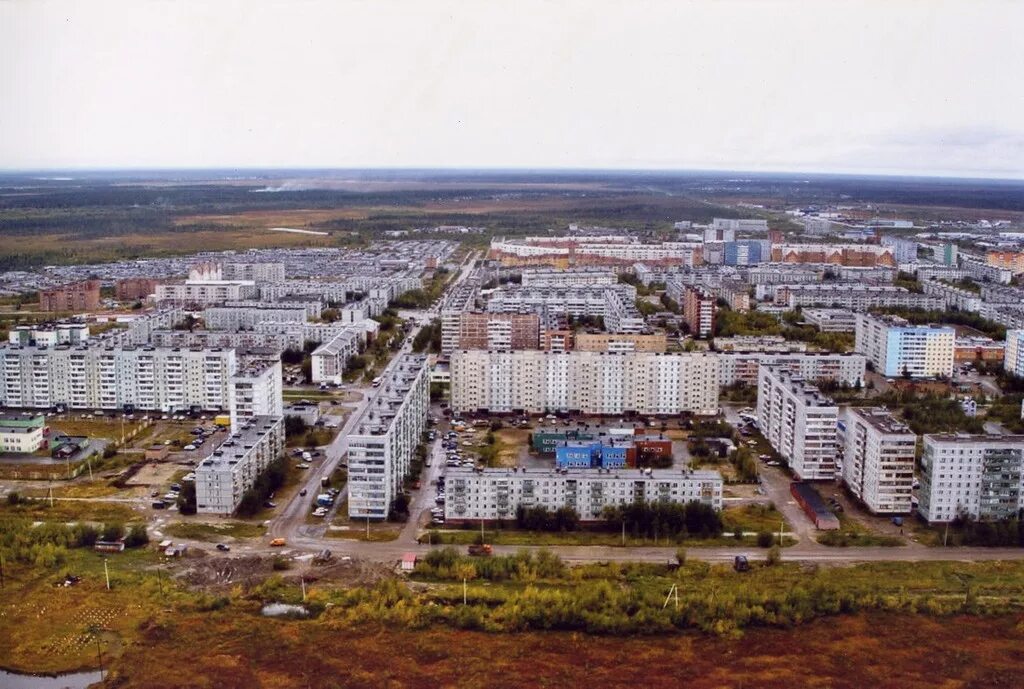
(290, 523)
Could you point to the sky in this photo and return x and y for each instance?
(929, 87)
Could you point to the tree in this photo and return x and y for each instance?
(136, 537)
(187, 499)
(774, 556)
(294, 425)
(113, 531)
(681, 556)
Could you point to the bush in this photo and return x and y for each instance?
(113, 531)
(281, 563)
(774, 556)
(13, 499)
(765, 539)
(681, 556)
(137, 536)
(187, 499)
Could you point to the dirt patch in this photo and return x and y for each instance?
(220, 575)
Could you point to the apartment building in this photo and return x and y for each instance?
(897, 348)
(799, 422)
(384, 438)
(256, 389)
(983, 272)
(617, 342)
(752, 225)
(584, 382)
(78, 296)
(758, 343)
(952, 297)
(499, 331)
(49, 334)
(460, 300)
(95, 377)
(1006, 260)
(135, 288)
(330, 359)
(205, 292)
(744, 367)
(615, 304)
(831, 320)
(840, 254)
(785, 274)
(855, 298)
(245, 315)
(878, 459)
(973, 475)
(1013, 360)
(495, 494)
(256, 272)
(232, 468)
(746, 252)
(974, 349)
(905, 250)
(699, 309)
(735, 293)
(579, 277)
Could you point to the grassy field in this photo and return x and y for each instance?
(71, 511)
(354, 533)
(754, 518)
(853, 533)
(199, 531)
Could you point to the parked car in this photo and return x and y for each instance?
(223, 547)
(278, 542)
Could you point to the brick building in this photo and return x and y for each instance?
(78, 296)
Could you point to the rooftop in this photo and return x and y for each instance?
(621, 473)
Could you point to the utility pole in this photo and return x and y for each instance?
(49, 493)
(303, 580)
(623, 532)
(782, 525)
(106, 573)
(160, 582)
(464, 592)
(1, 571)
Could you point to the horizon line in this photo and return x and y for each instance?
(987, 176)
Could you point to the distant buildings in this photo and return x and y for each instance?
(584, 382)
(499, 331)
(130, 289)
(841, 254)
(743, 367)
(79, 296)
(853, 297)
(897, 348)
(905, 250)
(799, 422)
(878, 459)
(495, 494)
(971, 475)
(698, 305)
(831, 320)
(1008, 260)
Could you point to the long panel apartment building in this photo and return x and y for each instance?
(744, 367)
(897, 348)
(96, 377)
(799, 422)
(878, 459)
(495, 494)
(971, 475)
(384, 438)
(584, 382)
(232, 468)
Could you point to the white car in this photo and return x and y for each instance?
(189, 448)
(320, 512)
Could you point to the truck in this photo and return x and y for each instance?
(222, 420)
(376, 382)
(324, 500)
(480, 550)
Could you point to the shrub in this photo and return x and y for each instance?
(137, 536)
(13, 498)
(774, 556)
(113, 531)
(765, 539)
(281, 563)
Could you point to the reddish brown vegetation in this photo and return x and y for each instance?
(228, 650)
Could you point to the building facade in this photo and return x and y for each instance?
(495, 494)
(971, 475)
(897, 348)
(799, 422)
(384, 439)
(232, 468)
(878, 459)
(584, 382)
(79, 296)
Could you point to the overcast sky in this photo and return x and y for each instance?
(884, 86)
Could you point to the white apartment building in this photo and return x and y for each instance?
(831, 320)
(799, 422)
(1014, 356)
(246, 315)
(495, 494)
(975, 475)
(256, 389)
(49, 335)
(580, 277)
(615, 304)
(896, 347)
(878, 459)
(740, 224)
(96, 377)
(952, 297)
(205, 291)
(853, 297)
(256, 272)
(232, 468)
(384, 438)
(584, 382)
(745, 366)
(330, 358)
